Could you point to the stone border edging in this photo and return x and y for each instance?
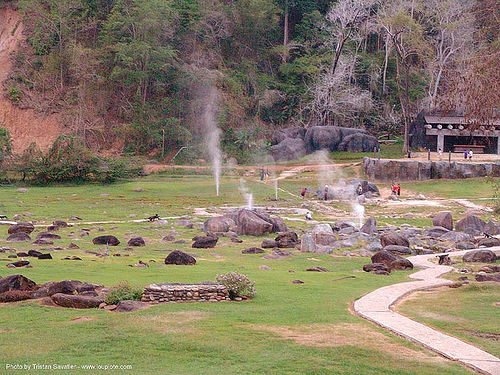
(376, 307)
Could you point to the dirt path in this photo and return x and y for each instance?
(25, 125)
(377, 307)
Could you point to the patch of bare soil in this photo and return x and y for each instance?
(484, 335)
(25, 125)
(172, 322)
(347, 334)
(82, 319)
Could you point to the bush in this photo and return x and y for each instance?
(237, 284)
(124, 291)
(14, 94)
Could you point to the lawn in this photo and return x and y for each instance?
(287, 329)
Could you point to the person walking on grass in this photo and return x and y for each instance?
(303, 193)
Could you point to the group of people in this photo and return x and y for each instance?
(264, 174)
(468, 154)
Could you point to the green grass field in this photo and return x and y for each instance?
(287, 329)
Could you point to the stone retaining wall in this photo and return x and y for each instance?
(159, 293)
(412, 170)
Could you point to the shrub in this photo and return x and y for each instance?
(124, 291)
(14, 94)
(237, 284)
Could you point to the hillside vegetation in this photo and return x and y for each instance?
(134, 76)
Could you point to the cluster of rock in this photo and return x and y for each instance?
(413, 170)
(348, 190)
(206, 292)
(294, 143)
(67, 293)
(250, 222)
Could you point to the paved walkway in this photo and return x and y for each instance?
(376, 306)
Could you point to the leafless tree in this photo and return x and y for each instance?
(452, 32)
(345, 19)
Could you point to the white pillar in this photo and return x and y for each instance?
(440, 142)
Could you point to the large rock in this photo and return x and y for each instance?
(287, 240)
(64, 287)
(106, 240)
(219, 224)
(393, 238)
(358, 142)
(481, 277)
(179, 258)
(24, 227)
(253, 250)
(396, 249)
(16, 282)
(483, 256)
(489, 242)
(370, 227)
(19, 263)
(76, 301)
(268, 243)
(251, 224)
(492, 228)
(136, 241)
(281, 134)
(465, 245)
(384, 257)
(48, 236)
(19, 237)
(205, 242)
(377, 268)
(435, 232)
(130, 305)
(327, 137)
(323, 235)
(456, 237)
(289, 149)
(470, 224)
(401, 264)
(443, 219)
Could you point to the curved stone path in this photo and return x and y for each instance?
(376, 306)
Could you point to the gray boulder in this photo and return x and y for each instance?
(470, 224)
(399, 250)
(435, 232)
(443, 219)
(393, 238)
(489, 242)
(24, 227)
(19, 237)
(492, 228)
(219, 224)
(465, 245)
(370, 227)
(281, 134)
(289, 149)
(358, 142)
(483, 256)
(456, 237)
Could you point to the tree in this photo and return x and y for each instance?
(346, 18)
(408, 41)
(451, 30)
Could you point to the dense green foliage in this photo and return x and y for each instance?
(123, 291)
(134, 70)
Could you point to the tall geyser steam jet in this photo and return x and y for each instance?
(213, 133)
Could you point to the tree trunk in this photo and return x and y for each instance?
(285, 34)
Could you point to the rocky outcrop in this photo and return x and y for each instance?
(287, 240)
(256, 222)
(289, 149)
(370, 227)
(294, 143)
(253, 250)
(413, 170)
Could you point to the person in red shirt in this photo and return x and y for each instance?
(303, 192)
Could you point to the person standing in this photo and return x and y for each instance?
(303, 192)
(470, 155)
(465, 154)
(326, 193)
(440, 153)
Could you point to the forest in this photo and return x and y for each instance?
(134, 75)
